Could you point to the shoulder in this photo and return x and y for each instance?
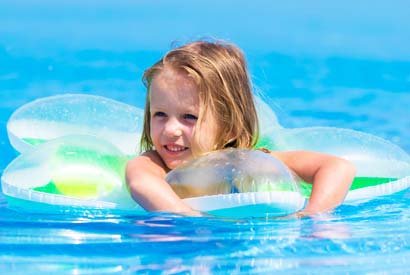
(148, 162)
(310, 162)
(292, 159)
(301, 157)
(276, 154)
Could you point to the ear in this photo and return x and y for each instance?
(233, 134)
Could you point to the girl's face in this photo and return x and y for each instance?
(174, 112)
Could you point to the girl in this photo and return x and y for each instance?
(199, 99)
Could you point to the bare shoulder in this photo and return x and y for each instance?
(308, 162)
(290, 156)
(149, 162)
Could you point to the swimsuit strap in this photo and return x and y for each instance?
(263, 149)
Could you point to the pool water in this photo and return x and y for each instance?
(328, 64)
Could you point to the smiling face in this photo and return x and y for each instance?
(174, 109)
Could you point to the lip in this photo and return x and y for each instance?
(174, 158)
(175, 149)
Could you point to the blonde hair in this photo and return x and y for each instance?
(219, 71)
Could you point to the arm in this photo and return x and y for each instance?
(330, 176)
(145, 178)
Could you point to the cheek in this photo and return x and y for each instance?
(207, 137)
(190, 132)
(154, 131)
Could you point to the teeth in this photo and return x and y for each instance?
(174, 148)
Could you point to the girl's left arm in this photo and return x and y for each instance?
(331, 177)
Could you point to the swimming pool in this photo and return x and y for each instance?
(328, 65)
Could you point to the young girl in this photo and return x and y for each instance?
(199, 99)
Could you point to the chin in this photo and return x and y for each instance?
(174, 164)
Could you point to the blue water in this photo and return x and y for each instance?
(330, 64)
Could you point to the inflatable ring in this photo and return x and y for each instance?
(237, 182)
(76, 114)
(382, 167)
(58, 170)
(71, 171)
(87, 172)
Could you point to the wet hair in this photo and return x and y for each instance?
(219, 72)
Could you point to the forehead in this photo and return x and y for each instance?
(173, 87)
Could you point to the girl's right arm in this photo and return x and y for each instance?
(145, 178)
(330, 176)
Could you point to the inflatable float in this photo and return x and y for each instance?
(74, 149)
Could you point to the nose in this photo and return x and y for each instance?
(173, 128)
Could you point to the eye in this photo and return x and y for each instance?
(190, 117)
(159, 114)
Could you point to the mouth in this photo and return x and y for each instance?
(175, 148)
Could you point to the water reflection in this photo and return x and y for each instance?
(350, 237)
